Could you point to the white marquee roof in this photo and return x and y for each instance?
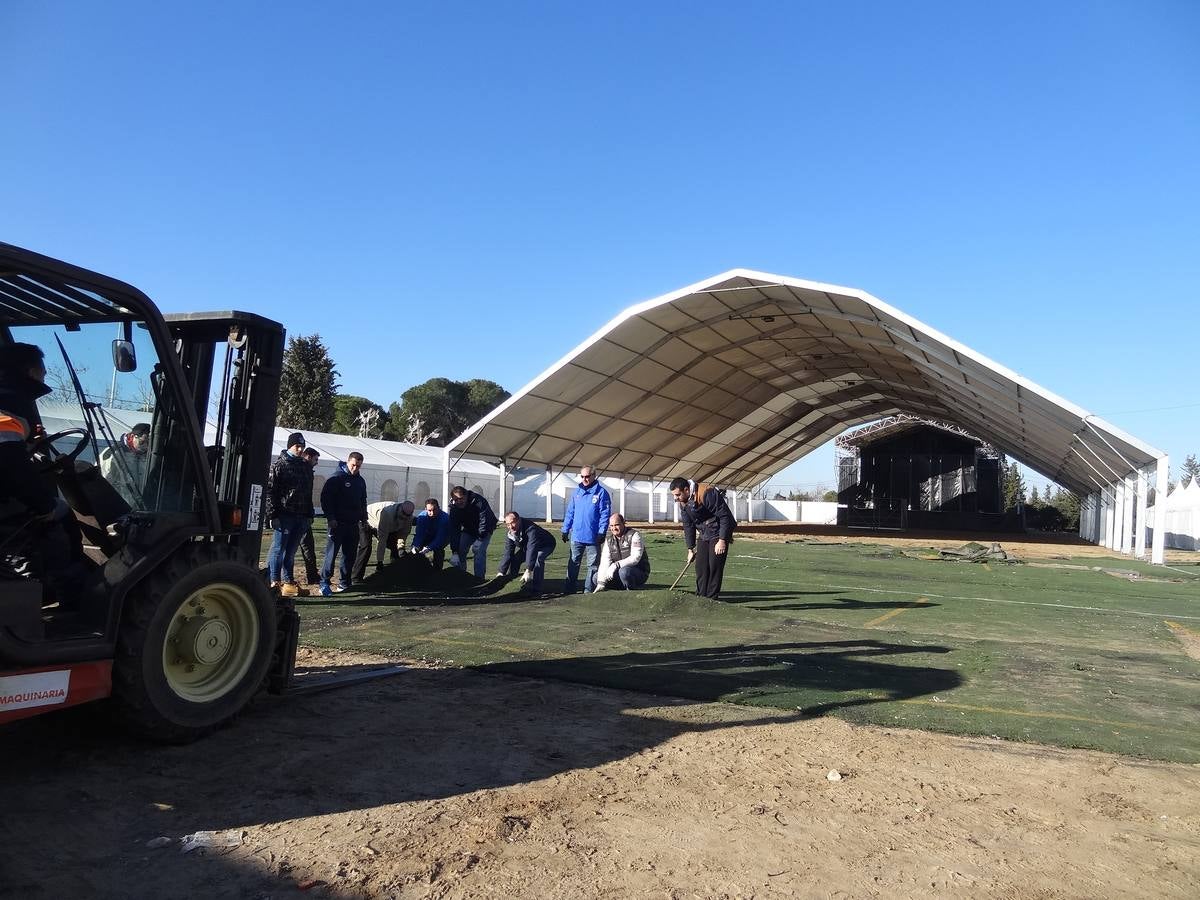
(732, 379)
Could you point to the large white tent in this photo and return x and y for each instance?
(733, 378)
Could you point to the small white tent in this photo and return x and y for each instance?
(394, 470)
(530, 488)
(1182, 530)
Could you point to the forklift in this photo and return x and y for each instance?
(166, 613)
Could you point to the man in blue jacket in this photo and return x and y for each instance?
(585, 524)
(344, 503)
(431, 531)
(529, 542)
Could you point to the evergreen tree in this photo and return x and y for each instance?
(439, 410)
(307, 386)
(1191, 469)
(1035, 498)
(1067, 503)
(1014, 486)
(392, 430)
(358, 416)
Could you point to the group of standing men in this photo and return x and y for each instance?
(353, 523)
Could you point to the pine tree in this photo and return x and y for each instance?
(358, 416)
(307, 386)
(1014, 486)
(1035, 498)
(1067, 503)
(1191, 469)
(437, 411)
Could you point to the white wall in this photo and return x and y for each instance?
(807, 512)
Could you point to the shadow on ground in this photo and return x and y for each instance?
(424, 735)
(786, 675)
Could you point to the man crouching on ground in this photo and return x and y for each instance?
(526, 540)
(624, 562)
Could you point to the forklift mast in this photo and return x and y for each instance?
(232, 363)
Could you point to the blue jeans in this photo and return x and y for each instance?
(539, 572)
(344, 538)
(631, 577)
(282, 555)
(478, 546)
(593, 561)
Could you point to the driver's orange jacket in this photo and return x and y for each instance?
(13, 428)
(19, 479)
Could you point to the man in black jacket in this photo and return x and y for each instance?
(289, 510)
(36, 538)
(471, 525)
(344, 503)
(526, 540)
(707, 531)
(308, 547)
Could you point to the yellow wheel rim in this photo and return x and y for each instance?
(211, 642)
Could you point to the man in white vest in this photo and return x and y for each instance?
(624, 562)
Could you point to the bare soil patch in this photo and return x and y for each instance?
(452, 784)
(1030, 545)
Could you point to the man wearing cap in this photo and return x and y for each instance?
(124, 464)
(289, 510)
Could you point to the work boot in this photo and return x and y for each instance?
(289, 589)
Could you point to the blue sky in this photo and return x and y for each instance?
(469, 190)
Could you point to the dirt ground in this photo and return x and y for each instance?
(452, 784)
(1030, 545)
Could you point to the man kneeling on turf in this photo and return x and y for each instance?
(624, 562)
(526, 540)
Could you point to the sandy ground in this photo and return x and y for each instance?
(443, 783)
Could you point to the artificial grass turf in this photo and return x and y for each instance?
(1074, 657)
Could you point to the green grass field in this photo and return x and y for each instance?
(1069, 656)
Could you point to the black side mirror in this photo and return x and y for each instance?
(124, 357)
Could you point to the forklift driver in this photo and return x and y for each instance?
(36, 538)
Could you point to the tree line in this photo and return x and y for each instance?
(1057, 509)
(434, 412)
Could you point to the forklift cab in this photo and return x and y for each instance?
(157, 434)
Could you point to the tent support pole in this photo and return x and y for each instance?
(1139, 526)
(446, 478)
(503, 511)
(1160, 513)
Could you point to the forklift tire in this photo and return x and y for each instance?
(194, 646)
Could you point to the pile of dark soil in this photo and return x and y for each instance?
(414, 572)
